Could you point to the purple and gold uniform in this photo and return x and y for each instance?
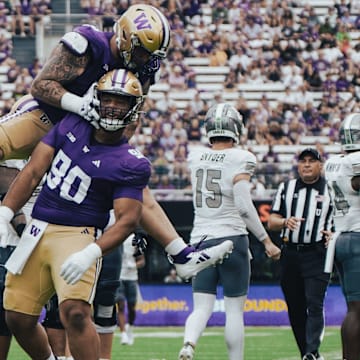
(82, 182)
(86, 173)
(30, 119)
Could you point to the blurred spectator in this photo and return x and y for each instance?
(206, 47)
(198, 105)
(341, 7)
(194, 131)
(165, 103)
(296, 130)
(34, 67)
(258, 189)
(314, 123)
(40, 13)
(343, 39)
(122, 6)
(13, 71)
(243, 108)
(273, 72)
(179, 132)
(108, 12)
(192, 11)
(177, 80)
(252, 30)
(218, 56)
(276, 136)
(230, 82)
(342, 83)
(270, 164)
(24, 79)
(239, 57)
(4, 12)
(172, 277)
(191, 82)
(219, 13)
(21, 11)
(161, 163)
(93, 12)
(348, 20)
(201, 31)
(165, 182)
(5, 48)
(312, 76)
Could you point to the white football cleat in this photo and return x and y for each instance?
(124, 338)
(200, 259)
(129, 333)
(186, 353)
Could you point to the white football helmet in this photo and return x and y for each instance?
(350, 132)
(223, 120)
(122, 83)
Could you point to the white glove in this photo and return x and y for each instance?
(84, 106)
(6, 215)
(75, 266)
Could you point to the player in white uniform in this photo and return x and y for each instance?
(220, 178)
(127, 292)
(343, 175)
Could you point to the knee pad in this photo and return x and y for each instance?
(105, 292)
(52, 315)
(105, 316)
(105, 329)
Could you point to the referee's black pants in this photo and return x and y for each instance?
(304, 285)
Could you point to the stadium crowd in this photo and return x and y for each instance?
(313, 54)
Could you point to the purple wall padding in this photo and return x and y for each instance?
(169, 305)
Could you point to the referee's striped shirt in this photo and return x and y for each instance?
(308, 201)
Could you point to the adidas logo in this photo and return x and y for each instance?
(202, 257)
(96, 163)
(85, 149)
(71, 136)
(85, 231)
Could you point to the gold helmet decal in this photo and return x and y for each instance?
(145, 26)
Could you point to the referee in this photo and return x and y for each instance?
(301, 210)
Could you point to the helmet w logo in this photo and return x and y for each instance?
(142, 22)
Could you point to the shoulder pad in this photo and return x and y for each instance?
(76, 42)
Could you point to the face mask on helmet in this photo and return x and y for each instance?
(119, 111)
(142, 37)
(350, 132)
(223, 120)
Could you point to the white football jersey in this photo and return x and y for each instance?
(128, 262)
(212, 174)
(339, 170)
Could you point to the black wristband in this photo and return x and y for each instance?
(20, 228)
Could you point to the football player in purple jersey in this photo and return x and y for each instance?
(66, 83)
(140, 40)
(89, 172)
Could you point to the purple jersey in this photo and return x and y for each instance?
(101, 62)
(85, 176)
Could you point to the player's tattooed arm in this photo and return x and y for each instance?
(61, 68)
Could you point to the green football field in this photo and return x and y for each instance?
(261, 343)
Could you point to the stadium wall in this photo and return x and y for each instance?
(169, 305)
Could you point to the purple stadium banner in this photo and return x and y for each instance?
(169, 305)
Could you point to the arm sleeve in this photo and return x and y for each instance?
(247, 210)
